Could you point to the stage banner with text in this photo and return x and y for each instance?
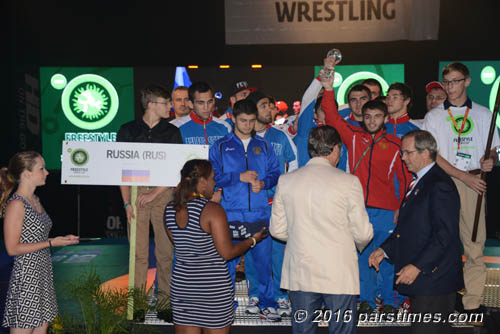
(133, 164)
(339, 21)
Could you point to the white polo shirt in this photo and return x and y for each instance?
(472, 139)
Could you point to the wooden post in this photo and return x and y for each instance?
(493, 129)
(131, 260)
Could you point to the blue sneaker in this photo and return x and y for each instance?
(253, 306)
(283, 307)
(269, 314)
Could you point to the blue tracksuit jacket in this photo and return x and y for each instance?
(401, 126)
(229, 160)
(196, 131)
(284, 149)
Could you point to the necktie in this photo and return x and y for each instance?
(410, 187)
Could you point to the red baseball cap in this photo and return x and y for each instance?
(432, 85)
(282, 106)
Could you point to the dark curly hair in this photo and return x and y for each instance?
(190, 175)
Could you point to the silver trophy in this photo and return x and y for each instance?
(335, 53)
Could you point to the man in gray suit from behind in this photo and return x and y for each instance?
(319, 211)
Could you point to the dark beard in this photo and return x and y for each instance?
(264, 121)
(363, 126)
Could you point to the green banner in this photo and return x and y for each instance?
(83, 104)
(347, 76)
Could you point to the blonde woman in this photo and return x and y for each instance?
(31, 301)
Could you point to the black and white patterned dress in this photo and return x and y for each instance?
(201, 290)
(31, 299)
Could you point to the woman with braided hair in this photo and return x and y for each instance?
(31, 301)
(202, 294)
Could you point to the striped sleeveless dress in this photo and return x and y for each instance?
(201, 291)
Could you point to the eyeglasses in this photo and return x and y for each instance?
(158, 102)
(403, 153)
(454, 82)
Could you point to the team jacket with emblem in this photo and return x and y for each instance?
(228, 117)
(196, 131)
(349, 117)
(400, 126)
(287, 128)
(307, 123)
(284, 149)
(380, 164)
(229, 160)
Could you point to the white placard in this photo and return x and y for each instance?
(135, 164)
(330, 21)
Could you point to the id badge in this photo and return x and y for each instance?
(462, 161)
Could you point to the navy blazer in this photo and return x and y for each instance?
(427, 236)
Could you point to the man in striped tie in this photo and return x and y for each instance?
(410, 186)
(425, 246)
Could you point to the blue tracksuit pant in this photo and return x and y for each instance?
(277, 255)
(262, 282)
(381, 283)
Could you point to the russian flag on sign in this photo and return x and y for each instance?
(131, 175)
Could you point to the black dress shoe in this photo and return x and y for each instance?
(476, 317)
(165, 315)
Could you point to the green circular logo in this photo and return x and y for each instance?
(89, 101)
(355, 78)
(58, 81)
(488, 75)
(468, 127)
(79, 157)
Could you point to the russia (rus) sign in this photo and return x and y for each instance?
(134, 164)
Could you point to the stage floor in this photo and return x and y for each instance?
(491, 300)
(109, 258)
